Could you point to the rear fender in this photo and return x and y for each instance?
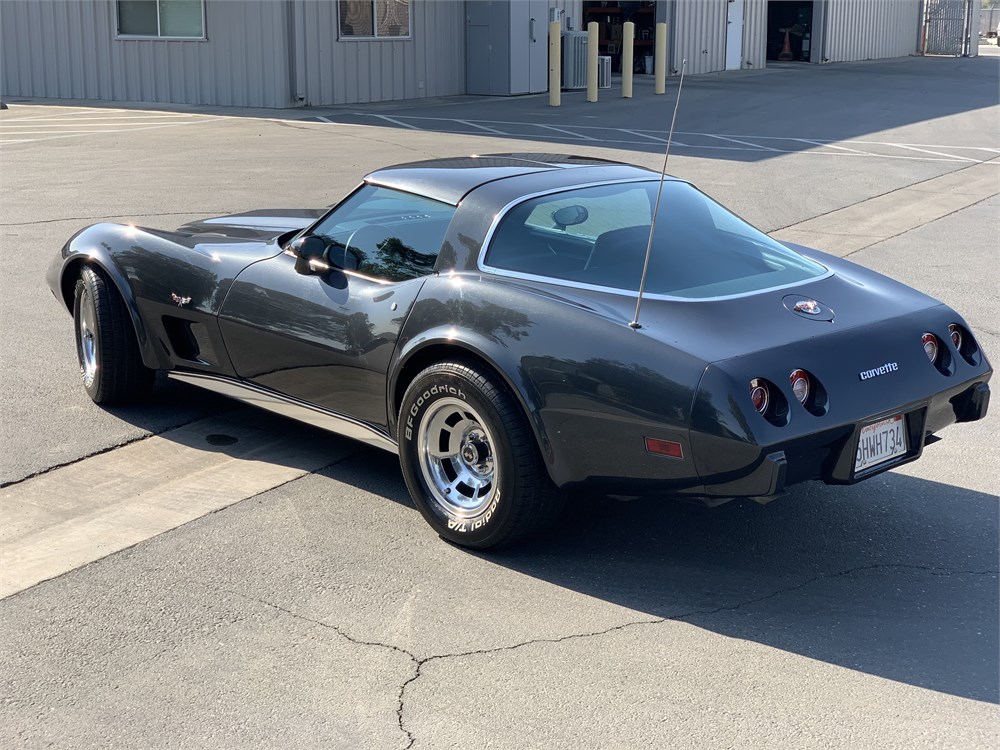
(447, 342)
(590, 387)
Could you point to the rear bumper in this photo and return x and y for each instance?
(829, 454)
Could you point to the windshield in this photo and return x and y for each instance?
(598, 236)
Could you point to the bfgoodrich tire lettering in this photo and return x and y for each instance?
(110, 363)
(470, 460)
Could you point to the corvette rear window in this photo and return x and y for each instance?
(598, 236)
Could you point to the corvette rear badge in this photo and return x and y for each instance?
(876, 371)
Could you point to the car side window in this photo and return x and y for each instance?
(386, 234)
(623, 208)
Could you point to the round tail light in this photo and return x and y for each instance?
(759, 395)
(799, 380)
(956, 335)
(930, 343)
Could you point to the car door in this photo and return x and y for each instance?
(327, 336)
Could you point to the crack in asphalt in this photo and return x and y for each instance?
(219, 411)
(887, 192)
(200, 212)
(419, 662)
(919, 226)
(210, 513)
(78, 459)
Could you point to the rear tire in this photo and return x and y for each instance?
(470, 459)
(110, 363)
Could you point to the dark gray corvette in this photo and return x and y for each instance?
(474, 316)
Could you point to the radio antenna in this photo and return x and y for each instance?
(656, 208)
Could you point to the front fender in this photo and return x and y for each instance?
(91, 246)
(173, 285)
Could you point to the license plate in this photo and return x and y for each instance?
(880, 442)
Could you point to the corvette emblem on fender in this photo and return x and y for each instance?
(808, 306)
(181, 301)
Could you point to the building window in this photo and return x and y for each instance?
(374, 19)
(183, 19)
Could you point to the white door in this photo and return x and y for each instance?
(538, 46)
(734, 35)
(529, 46)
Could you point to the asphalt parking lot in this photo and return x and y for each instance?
(165, 588)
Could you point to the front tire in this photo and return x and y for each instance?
(110, 363)
(470, 459)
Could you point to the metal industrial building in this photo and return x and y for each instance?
(288, 53)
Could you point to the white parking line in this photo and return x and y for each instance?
(117, 114)
(936, 153)
(652, 137)
(8, 127)
(60, 112)
(397, 122)
(756, 146)
(481, 127)
(61, 124)
(921, 145)
(833, 145)
(741, 142)
(567, 132)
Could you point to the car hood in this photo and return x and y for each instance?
(263, 225)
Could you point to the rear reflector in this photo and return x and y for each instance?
(664, 447)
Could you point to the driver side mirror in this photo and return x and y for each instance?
(306, 250)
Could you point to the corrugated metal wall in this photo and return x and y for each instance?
(572, 12)
(988, 20)
(870, 29)
(430, 63)
(66, 49)
(699, 35)
(855, 30)
(754, 34)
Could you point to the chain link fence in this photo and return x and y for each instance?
(947, 27)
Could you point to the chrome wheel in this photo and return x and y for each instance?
(455, 453)
(86, 343)
(470, 459)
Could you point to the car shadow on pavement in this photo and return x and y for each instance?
(895, 577)
(742, 116)
(171, 404)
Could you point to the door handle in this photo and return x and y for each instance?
(531, 29)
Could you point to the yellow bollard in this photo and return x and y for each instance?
(628, 59)
(660, 61)
(592, 45)
(555, 63)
